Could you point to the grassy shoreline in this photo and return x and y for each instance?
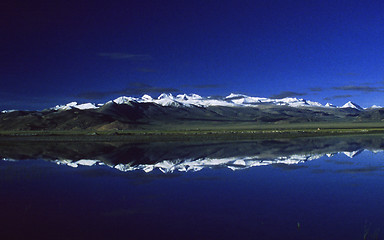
(170, 135)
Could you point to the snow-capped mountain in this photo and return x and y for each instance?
(188, 100)
(330, 105)
(8, 111)
(352, 105)
(72, 105)
(184, 110)
(375, 106)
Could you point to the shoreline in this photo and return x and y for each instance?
(179, 135)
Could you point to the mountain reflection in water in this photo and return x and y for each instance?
(191, 155)
(333, 196)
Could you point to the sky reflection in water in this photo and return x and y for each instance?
(327, 197)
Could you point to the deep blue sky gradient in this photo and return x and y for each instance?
(93, 51)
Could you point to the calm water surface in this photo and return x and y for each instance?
(282, 189)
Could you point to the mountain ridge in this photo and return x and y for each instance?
(185, 111)
(187, 100)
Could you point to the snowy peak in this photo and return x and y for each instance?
(146, 97)
(375, 107)
(235, 96)
(194, 100)
(185, 97)
(72, 105)
(124, 100)
(165, 96)
(8, 111)
(292, 102)
(189, 100)
(352, 105)
(167, 100)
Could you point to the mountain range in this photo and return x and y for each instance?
(186, 111)
(195, 155)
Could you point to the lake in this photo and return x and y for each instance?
(301, 188)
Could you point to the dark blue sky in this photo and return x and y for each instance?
(92, 51)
